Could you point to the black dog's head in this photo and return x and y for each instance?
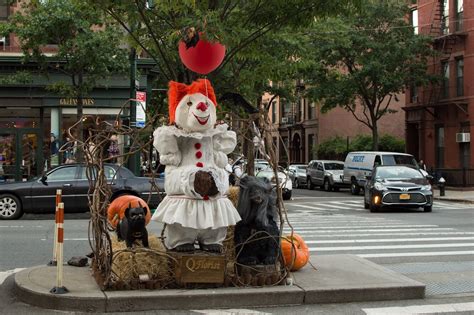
(256, 200)
(136, 215)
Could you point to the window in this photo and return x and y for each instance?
(4, 9)
(320, 167)
(445, 18)
(274, 112)
(414, 93)
(445, 83)
(301, 106)
(459, 77)
(109, 173)
(414, 20)
(64, 173)
(377, 160)
(464, 147)
(439, 134)
(310, 146)
(310, 107)
(459, 15)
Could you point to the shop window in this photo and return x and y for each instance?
(459, 77)
(4, 9)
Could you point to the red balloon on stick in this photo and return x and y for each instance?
(203, 58)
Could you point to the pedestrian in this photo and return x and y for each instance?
(422, 164)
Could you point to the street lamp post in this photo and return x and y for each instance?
(133, 159)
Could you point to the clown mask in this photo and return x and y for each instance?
(192, 107)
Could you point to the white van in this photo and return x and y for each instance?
(359, 165)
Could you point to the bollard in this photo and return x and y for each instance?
(55, 244)
(59, 288)
(441, 186)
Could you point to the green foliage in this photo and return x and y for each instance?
(263, 39)
(336, 148)
(365, 59)
(332, 149)
(86, 47)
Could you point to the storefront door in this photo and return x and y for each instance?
(21, 154)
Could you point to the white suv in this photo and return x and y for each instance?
(326, 174)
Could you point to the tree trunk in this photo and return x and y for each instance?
(375, 136)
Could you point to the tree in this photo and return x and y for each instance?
(87, 45)
(260, 37)
(365, 59)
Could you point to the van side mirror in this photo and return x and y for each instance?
(429, 177)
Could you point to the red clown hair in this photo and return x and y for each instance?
(177, 91)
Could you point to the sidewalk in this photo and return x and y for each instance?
(338, 279)
(455, 195)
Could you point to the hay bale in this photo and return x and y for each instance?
(233, 194)
(129, 264)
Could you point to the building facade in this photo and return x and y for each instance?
(34, 120)
(299, 127)
(439, 118)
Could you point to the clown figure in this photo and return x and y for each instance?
(194, 151)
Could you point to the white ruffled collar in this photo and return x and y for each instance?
(178, 132)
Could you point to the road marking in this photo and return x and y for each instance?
(314, 227)
(5, 274)
(383, 230)
(338, 248)
(231, 312)
(450, 253)
(385, 240)
(381, 234)
(310, 207)
(20, 226)
(69, 239)
(421, 309)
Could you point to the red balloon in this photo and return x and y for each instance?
(203, 58)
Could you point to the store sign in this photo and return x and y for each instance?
(141, 109)
(73, 101)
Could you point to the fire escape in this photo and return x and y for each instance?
(446, 35)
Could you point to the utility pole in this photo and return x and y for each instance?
(134, 159)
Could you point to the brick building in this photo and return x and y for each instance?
(301, 126)
(439, 118)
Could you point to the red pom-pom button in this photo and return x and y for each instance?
(199, 164)
(206, 197)
(198, 154)
(197, 145)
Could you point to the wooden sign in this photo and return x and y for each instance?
(200, 268)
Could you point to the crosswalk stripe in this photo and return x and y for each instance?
(421, 309)
(307, 236)
(314, 227)
(309, 207)
(384, 230)
(449, 253)
(386, 240)
(348, 248)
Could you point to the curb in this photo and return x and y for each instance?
(338, 279)
(454, 200)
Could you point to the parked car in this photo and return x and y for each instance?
(38, 194)
(326, 174)
(397, 186)
(359, 165)
(297, 173)
(283, 178)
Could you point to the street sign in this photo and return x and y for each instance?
(141, 109)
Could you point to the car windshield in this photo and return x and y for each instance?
(397, 173)
(399, 160)
(333, 166)
(302, 167)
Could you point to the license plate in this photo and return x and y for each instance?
(404, 196)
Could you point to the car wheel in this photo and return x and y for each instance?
(355, 189)
(374, 208)
(428, 208)
(310, 184)
(327, 185)
(10, 207)
(366, 205)
(297, 185)
(287, 195)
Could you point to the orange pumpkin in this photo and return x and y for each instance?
(295, 251)
(116, 210)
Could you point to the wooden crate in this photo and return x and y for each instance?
(200, 267)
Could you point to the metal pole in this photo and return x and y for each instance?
(59, 288)
(134, 159)
(55, 245)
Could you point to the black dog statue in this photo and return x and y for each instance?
(132, 226)
(257, 236)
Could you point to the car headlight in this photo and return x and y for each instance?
(426, 187)
(380, 186)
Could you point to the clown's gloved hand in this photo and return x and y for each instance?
(204, 184)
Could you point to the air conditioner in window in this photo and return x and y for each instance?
(284, 120)
(463, 137)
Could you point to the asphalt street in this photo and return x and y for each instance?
(434, 248)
